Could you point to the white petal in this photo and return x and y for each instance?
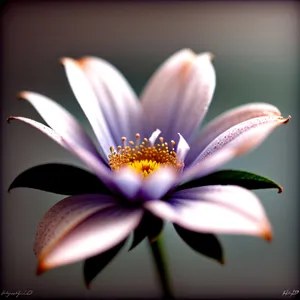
(213, 157)
(61, 121)
(128, 182)
(154, 136)
(216, 209)
(96, 234)
(209, 164)
(182, 148)
(92, 161)
(43, 128)
(226, 120)
(65, 215)
(179, 93)
(106, 98)
(267, 123)
(158, 183)
(162, 209)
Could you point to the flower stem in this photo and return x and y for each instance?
(159, 257)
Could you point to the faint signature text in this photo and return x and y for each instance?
(16, 294)
(290, 293)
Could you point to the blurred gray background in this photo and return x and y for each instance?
(256, 60)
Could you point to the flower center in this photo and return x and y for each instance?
(144, 158)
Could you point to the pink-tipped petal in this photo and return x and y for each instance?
(215, 209)
(65, 215)
(61, 121)
(92, 161)
(266, 123)
(106, 98)
(43, 128)
(241, 144)
(99, 232)
(179, 93)
(226, 120)
(158, 183)
(208, 165)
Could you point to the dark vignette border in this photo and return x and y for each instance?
(3, 6)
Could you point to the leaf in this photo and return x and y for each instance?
(244, 179)
(203, 243)
(150, 227)
(95, 264)
(59, 179)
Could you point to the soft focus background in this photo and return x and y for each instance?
(256, 60)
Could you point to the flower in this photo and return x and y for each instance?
(147, 152)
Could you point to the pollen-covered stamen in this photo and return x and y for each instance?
(144, 157)
(137, 139)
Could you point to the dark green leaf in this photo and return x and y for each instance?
(204, 243)
(59, 179)
(244, 179)
(95, 264)
(150, 227)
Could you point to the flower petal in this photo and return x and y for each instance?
(215, 209)
(61, 121)
(154, 136)
(251, 137)
(268, 122)
(179, 93)
(158, 183)
(106, 98)
(92, 161)
(65, 215)
(128, 182)
(226, 120)
(43, 128)
(99, 231)
(182, 148)
(209, 164)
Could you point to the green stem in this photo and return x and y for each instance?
(159, 257)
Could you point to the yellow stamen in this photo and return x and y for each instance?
(144, 158)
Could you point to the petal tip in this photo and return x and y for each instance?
(82, 62)
(9, 119)
(210, 56)
(41, 268)
(22, 95)
(187, 51)
(286, 120)
(64, 60)
(222, 261)
(267, 235)
(280, 189)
